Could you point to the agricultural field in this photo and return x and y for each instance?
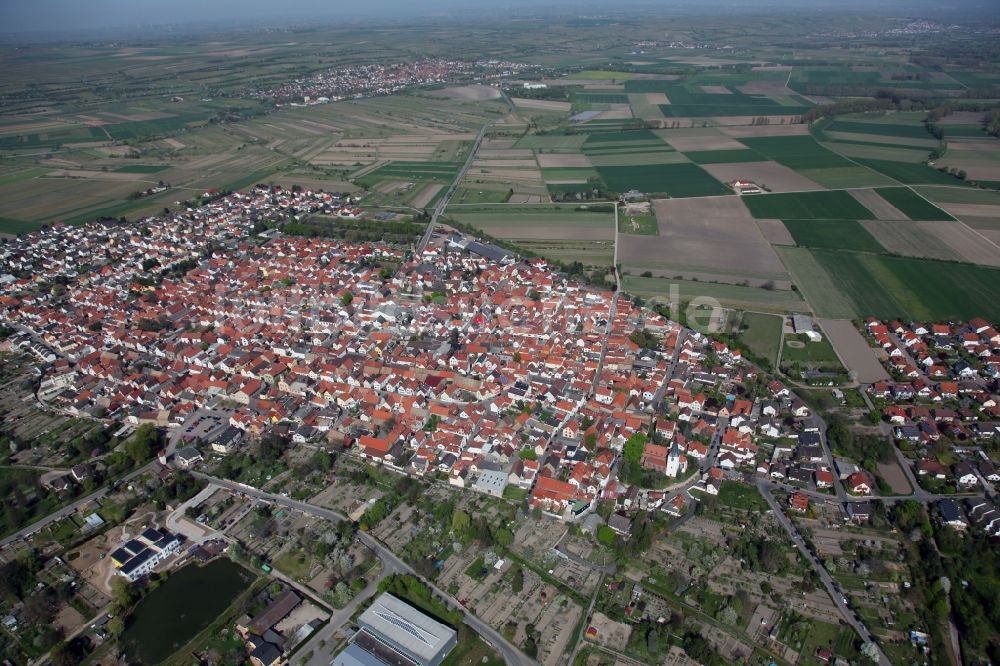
(832, 234)
(804, 155)
(675, 180)
(558, 232)
(909, 174)
(686, 100)
(912, 288)
(832, 205)
(911, 204)
(662, 289)
(712, 239)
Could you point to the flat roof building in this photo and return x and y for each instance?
(393, 633)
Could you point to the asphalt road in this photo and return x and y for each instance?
(391, 563)
(70, 508)
(838, 598)
(443, 202)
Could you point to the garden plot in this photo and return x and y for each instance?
(770, 175)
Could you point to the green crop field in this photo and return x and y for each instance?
(912, 204)
(832, 205)
(761, 333)
(688, 100)
(553, 142)
(914, 131)
(600, 98)
(818, 286)
(916, 289)
(777, 300)
(797, 152)
(910, 174)
(959, 195)
(141, 168)
(833, 234)
(601, 75)
(677, 180)
(434, 172)
(14, 227)
(725, 156)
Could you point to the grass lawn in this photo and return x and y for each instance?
(912, 204)
(832, 205)
(834, 234)
(294, 563)
(762, 335)
(644, 225)
(741, 496)
(813, 353)
(515, 493)
(472, 651)
(478, 569)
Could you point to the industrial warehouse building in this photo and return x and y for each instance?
(393, 633)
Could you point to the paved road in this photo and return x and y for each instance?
(838, 599)
(443, 201)
(923, 496)
(392, 564)
(70, 508)
(321, 656)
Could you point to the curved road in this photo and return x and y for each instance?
(392, 564)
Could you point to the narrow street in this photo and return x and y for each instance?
(839, 600)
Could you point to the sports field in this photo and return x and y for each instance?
(833, 205)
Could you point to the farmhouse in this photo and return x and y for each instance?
(745, 187)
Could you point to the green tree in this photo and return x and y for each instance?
(504, 537)
(347, 298)
(460, 521)
(632, 451)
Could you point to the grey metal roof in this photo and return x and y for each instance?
(406, 627)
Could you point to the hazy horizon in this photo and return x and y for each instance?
(129, 16)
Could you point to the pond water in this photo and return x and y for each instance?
(187, 602)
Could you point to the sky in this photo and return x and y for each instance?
(25, 16)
